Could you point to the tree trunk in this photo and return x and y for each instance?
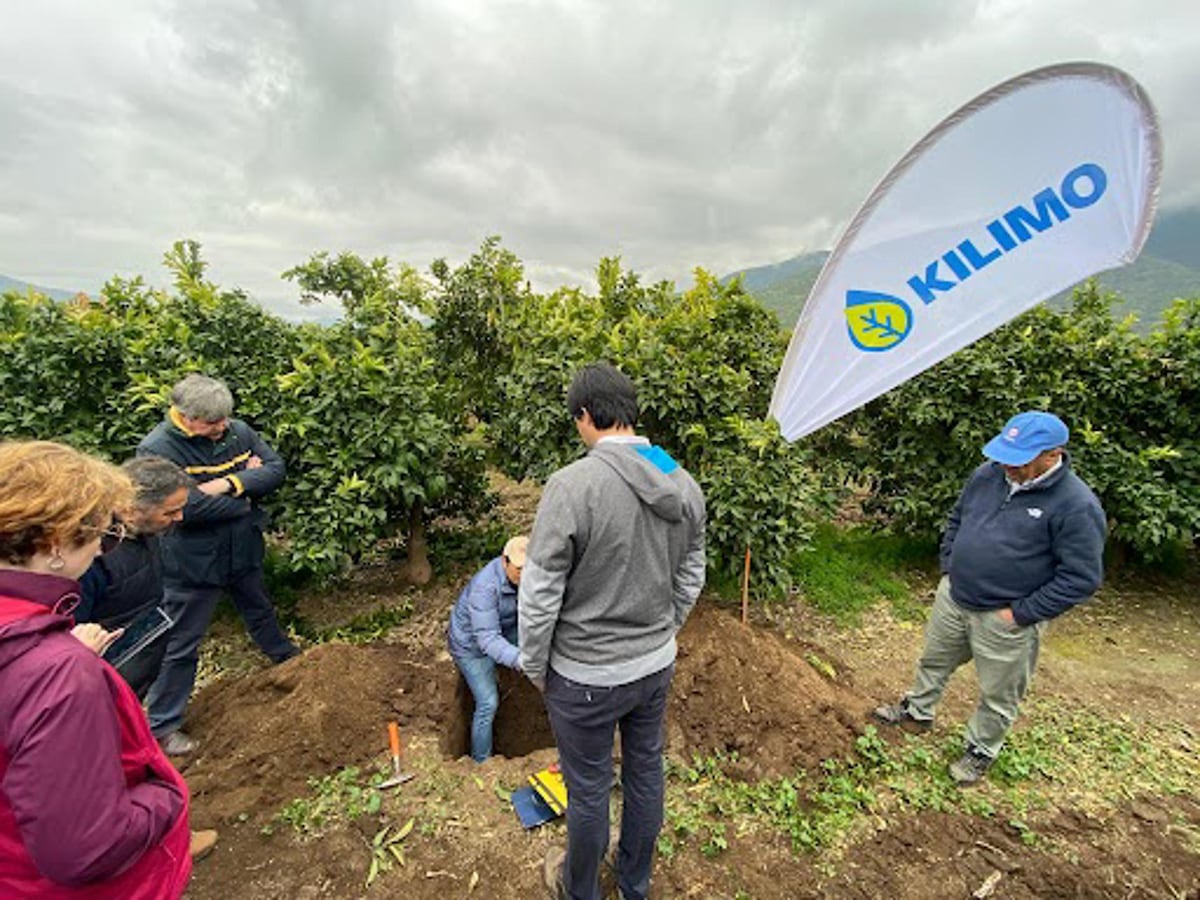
(419, 570)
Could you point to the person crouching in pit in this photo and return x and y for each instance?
(483, 634)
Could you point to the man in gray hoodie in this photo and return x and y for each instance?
(614, 566)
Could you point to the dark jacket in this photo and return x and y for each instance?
(1039, 551)
(220, 538)
(89, 805)
(123, 584)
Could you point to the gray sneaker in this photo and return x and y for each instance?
(556, 857)
(896, 715)
(970, 767)
(552, 872)
(177, 744)
(608, 865)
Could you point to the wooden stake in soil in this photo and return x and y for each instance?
(746, 587)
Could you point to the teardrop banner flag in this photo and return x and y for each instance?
(1033, 186)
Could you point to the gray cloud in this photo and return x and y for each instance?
(677, 134)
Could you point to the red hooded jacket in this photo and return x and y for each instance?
(89, 805)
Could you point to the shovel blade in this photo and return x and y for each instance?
(397, 780)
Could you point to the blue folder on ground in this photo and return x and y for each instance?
(531, 809)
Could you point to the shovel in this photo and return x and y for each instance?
(398, 778)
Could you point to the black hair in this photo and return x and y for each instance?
(155, 479)
(606, 393)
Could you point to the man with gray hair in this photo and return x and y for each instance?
(217, 546)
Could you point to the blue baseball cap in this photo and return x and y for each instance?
(1025, 436)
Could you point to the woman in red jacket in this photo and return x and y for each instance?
(89, 805)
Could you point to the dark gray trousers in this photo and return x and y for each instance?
(583, 718)
(192, 609)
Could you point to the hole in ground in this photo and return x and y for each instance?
(521, 725)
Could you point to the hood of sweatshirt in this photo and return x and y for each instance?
(647, 470)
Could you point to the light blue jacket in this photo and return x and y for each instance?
(484, 619)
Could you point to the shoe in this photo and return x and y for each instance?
(556, 857)
(970, 767)
(608, 865)
(897, 715)
(201, 844)
(290, 654)
(177, 744)
(552, 872)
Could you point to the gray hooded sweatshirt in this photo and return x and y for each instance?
(614, 566)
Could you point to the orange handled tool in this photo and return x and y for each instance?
(398, 777)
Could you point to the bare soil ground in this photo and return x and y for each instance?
(774, 698)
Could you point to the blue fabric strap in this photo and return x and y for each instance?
(659, 457)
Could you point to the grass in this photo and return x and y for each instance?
(1067, 759)
(846, 571)
(363, 629)
(343, 796)
(387, 848)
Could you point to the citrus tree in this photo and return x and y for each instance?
(704, 362)
(375, 442)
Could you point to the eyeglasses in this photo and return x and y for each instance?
(116, 530)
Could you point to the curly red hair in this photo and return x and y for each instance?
(54, 495)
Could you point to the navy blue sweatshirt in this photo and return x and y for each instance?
(1039, 551)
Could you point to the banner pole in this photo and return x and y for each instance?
(746, 587)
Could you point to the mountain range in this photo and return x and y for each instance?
(1168, 268)
(12, 284)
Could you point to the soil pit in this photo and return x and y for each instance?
(521, 724)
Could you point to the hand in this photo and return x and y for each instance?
(216, 488)
(539, 683)
(94, 637)
(1006, 616)
(254, 462)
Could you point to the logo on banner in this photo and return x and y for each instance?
(877, 321)
(881, 321)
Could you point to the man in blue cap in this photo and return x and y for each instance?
(1023, 544)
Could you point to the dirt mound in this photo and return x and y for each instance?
(740, 689)
(263, 736)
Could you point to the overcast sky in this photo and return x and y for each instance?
(675, 134)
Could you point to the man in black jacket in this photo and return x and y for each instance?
(125, 582)
(1023, 544)
(218, 545)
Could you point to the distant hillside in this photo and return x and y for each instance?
(1176, 237)
(12, 284)
(783, 286)
(1147, 287)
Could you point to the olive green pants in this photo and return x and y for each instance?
(1005, 656)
